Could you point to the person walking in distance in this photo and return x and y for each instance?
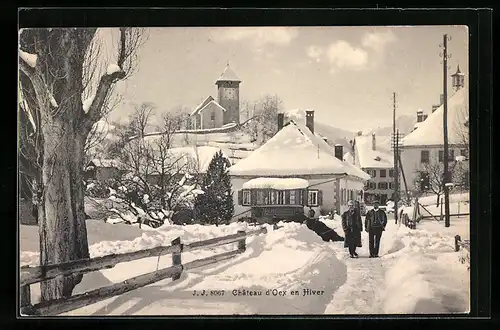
(353, 226)
(375, 222)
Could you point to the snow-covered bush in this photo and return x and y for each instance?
(97, 189)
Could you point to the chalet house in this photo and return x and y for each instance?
(425, 145)
(214, 114)
(378, 162)
(103, 169)
(292, 172)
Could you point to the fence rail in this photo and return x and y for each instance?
(31, 275)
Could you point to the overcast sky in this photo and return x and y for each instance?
(346, 74)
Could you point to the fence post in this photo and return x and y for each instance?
(25, 300)
(241, 243)
(176, 257)
(457, 239)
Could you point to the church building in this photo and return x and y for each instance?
(225, 110)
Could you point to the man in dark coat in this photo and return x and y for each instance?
(353, 226)
(326, 233)
(375, 222)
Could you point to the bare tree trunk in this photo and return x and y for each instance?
(437, 199)
(63, 233)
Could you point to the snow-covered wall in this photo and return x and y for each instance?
(411, 161)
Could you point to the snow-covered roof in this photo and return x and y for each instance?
(202, 104)
(369, 158)
(294, 150)
(198, 156)
(430, 131)
(276, 183)
(228, 75)
(209, 104)
(348, 158)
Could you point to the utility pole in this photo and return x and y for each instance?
(395, 169)
(446, 174)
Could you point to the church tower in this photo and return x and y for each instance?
(228, 93)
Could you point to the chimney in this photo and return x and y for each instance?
(310, 120)
(281, 120)
(339, 152)
(420, 116)
(435, 107)
(441, 99)
(374, 142)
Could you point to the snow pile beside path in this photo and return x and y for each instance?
(454, 198)
(289, 258)
(427, 284)
(424, 274)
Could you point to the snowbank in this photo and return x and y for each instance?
(454, 198)
(424, 274)
(276, 183)
(427, 284)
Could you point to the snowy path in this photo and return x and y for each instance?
(418, 272)
(363, 293)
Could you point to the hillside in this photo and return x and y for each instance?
(404, 123)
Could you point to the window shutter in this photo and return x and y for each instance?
(240, 197)
(253, 197)
(287, 197)
(320, 197)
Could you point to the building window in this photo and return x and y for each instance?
(391, 185)
(391, 173)
(292, 197)
(212, 115)
(382, 185)
(272, 197)
(312, 197)
(424, 156)
(281, 198)
(246, 197)
(463, 152)
(372, 173)
(383, 173)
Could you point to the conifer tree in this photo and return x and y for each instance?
(216, 205)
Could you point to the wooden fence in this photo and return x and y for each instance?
(31, 275)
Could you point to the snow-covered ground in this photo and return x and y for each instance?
(418, 272)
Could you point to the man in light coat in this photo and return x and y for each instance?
(375, 222)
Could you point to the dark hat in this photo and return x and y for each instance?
(376, 201)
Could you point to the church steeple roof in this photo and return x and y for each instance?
(228, 75)
(458, 73)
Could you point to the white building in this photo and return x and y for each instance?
(425, 145)
(374, 159)
(292, 172)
